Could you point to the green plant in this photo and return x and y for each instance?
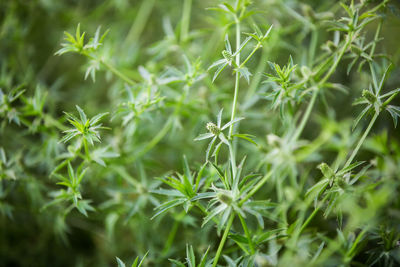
(299, 168)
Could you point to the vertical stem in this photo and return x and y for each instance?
(361, 140)
(172, 233)
(233, 161)
(320, 84)
(85, 145)
(187, 5)
(372, 53)
(246, 231)
(237, 77)
(306, 115)
(222, 243)
(139, 22)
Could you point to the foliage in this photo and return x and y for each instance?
(300, 167)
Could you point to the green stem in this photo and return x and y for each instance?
(320, 84)
(306, 115)
(354, 246)
(246, 231)
(256, 187)
(312, 215)
(237, 78)
(355, 151)
(139, 22)
(373, 51)
(156, 139)
(233, 161)
(250, 55)
(118, 73)
(187, 5)
(172, 233)
(222, 242)
(85, 145)
(335, 64)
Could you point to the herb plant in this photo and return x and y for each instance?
(210, 133)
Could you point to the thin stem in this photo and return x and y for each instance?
(222, 242)
(237, 78)
(320, 84)
(250, 55)
(246, 231)
(306, 115)
(358, 239)
(156, 138)
(312, 215)
(172, 233)
(335, 64)
(372, 53)
(118, 73)
(232, 159)
(139, 22)
(355, 151)
(85, 145)
(256, 187)
(187, 5)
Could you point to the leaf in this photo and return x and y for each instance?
(167, 206)
(203, 136)
(191, 260)
(232, 122)
(394, 112)
(120, 262)
(219, 70)
(228, 44)
(246, 137)
(244, 72)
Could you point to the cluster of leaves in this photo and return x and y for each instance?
(106, 188)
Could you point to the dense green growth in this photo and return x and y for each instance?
(199, 133)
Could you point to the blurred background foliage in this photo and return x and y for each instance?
(152, 34)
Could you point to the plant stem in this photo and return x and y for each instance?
(361, 141)
(118, 73)
(233, 161)
(187, 5)
(85, 145)
(172, 233)
(155, 139)
(335, 64)
(222, 242)
(237, 78)
(312, 215)
(354, 246)
(257, 187)
(306, 115)
(320, 84)
(250, 55)
(246, 231)
(139, 22)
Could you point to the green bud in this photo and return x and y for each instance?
(326, 170)
(369, 96)
(224, 198)
(212, 128)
